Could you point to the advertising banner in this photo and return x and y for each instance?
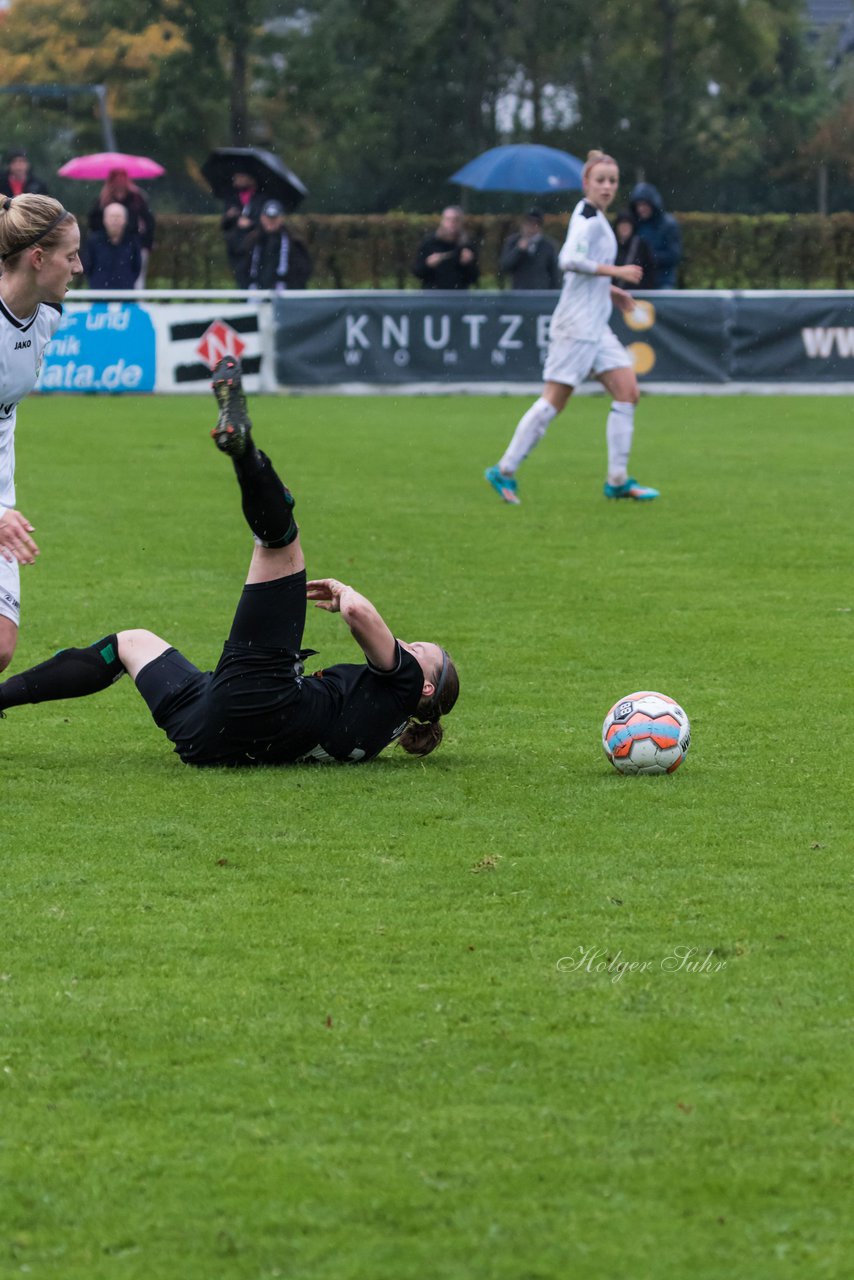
(431, 341)
(793, 337)
(398, 338)
(193, 337)
(101, 346)
(154, 346)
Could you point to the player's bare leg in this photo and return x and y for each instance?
(8, 641)
(137, 648)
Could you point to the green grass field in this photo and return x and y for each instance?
(330, 1023)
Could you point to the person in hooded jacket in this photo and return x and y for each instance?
(661, 232)
(632, 250)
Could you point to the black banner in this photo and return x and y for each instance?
(394, 339)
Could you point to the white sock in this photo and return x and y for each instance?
(530, 431)
(620, 429)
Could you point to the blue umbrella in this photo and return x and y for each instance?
(525, 166)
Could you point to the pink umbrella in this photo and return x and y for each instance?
(98, 167)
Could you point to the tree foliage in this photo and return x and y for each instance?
(721, 103)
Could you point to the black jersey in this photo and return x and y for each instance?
(372, 707)
(256, 708)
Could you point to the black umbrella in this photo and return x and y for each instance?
(274, 178)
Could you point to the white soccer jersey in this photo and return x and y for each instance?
(584, 306)
(22, 344)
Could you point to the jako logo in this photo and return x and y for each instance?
(19, 346)
(819, 343)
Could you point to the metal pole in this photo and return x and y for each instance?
(106, 122)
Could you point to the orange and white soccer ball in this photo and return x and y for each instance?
(646, 733)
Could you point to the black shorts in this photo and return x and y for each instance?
(253, 708)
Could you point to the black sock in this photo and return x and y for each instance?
(71, 673)
(267, 504)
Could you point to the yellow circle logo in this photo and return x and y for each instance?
(643, 357)
(641, 316)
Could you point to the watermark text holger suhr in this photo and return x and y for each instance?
(678, 960)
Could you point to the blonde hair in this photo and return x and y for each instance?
(594, 158)
(27, 220)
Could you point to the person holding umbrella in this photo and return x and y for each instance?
(529, 258)
(239, 222)
(119, 189)
(581, 342)
(246, 178)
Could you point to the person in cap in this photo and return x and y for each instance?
(529, 257)
(277, 258)
(258, 707)
(39, 257)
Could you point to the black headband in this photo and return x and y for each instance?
(41, 235)
(440, 683)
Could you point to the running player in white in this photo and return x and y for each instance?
(581, 343)
(39, 243)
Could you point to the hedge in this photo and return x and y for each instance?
(735, 251)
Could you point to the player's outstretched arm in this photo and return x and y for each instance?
(370, 632)
(15, 540)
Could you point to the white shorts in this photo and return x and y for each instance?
(10, 590)
(570, 361)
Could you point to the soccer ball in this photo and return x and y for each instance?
(646, 733)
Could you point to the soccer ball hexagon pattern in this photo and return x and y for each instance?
(646, 733)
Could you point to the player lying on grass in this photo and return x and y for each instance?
(257, 707)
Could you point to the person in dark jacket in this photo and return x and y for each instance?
(447, 259)
(661, 232)
(18, 177)
(277, 259)
(239, 222)
(118, 189)
(632, 251)
(112, 257)
(529, 257)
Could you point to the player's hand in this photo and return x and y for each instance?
(15, 540)
(326, 593)
(622, 301)
(631, 273)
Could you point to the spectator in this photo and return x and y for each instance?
(529, 257)
(447, 259)
(661, 232)
(277, 259)
(112, 257)
(118, 189)
(18, 177)
(240, 219)
(632, 251)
